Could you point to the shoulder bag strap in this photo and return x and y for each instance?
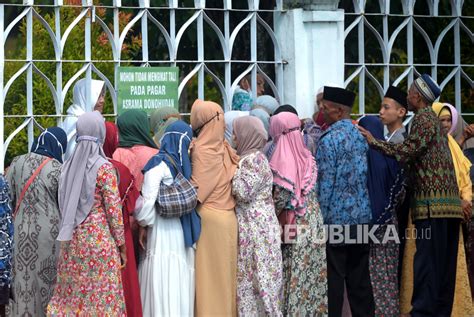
(27, 185)
(172, 162)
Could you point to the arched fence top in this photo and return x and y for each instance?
(159, 36)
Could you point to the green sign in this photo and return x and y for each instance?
(147, 88)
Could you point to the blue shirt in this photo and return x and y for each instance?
(342, 175)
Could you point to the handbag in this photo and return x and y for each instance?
(178, 199)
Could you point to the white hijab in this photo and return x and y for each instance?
(78, 108)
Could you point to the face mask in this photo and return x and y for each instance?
(198, 130)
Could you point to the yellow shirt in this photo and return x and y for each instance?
(462, 166)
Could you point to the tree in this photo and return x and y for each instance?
(43, 102)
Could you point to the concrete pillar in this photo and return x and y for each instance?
(312, 42)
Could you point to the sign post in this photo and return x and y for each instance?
(147, 88)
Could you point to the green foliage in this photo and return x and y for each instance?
(74, 50)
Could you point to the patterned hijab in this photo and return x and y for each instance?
(242, 100)
(213, 159)
(79, 174)
(134, 129)
(251, 135)
(293, 166)
(52, 142)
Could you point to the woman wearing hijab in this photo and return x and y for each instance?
(34, 178)
(81, 106)
(462, 133)
(229, 118)
(214, 163)
(294, 192)
(241, 100)
(259, 270)
(160, 119)
(386, 186)
(270, 146)
(136, 146)
(167, 270)
(91, 230)
(128, 197)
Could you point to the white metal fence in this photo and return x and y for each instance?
(391, 42)
(240, 25)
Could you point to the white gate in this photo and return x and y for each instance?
(392, 42)
(238, 24)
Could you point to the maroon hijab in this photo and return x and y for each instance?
(128, 196)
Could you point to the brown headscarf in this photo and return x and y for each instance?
(213, 160)
(251, 135)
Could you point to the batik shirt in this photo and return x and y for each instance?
(435, 189)
(6, 241)
(342, 175)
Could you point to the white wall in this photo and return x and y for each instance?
(312, 42)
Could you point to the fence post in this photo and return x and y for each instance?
(312, 43)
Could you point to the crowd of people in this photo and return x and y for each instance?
(232, 214)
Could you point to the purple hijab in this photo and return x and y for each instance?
(79, 173)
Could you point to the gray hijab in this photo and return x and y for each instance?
(79, 173)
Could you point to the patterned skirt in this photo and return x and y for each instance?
(383, 266)
(305, 286)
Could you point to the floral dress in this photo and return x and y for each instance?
(89, 280)
(259, 274)
(305, 288)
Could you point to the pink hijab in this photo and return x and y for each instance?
(293, 166)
